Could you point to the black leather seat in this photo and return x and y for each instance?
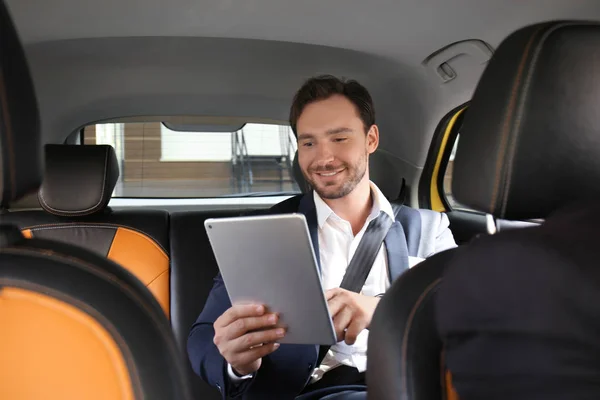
(74, 324)
(193, 269)
(530, 146)
(405, 356)
(78, 183)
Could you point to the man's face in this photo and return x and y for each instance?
(333, 149)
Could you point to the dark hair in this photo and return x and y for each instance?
(323, 87)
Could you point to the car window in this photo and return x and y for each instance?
(454, 205)
(448, 176)
(158, 160)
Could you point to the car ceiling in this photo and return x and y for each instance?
(96, 60)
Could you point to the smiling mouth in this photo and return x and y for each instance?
(329, 174)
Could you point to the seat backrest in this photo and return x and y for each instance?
(405, 356)
(518, 311)
(193, 269)
(299, 177)
(73, 324)
(77, 186)
(76, 325)
(529, 147)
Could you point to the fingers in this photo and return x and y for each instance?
(336, 304)
(241, 337)
(243, 325)
(250, 347)
(250, 340)
(341, 322)
(238, 311)
(331, 293)
(252, 355)
(340, 311)
(354, 329)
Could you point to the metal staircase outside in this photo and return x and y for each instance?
(251, 172)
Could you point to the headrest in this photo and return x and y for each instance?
(79, 179)
(530, 142)
(385, 175)
(299, 177)
(20, 145)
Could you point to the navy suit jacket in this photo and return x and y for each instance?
(284, 373)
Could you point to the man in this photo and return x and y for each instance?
(234, 347)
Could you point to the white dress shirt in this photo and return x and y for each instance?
(337, 245)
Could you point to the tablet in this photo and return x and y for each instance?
(269, 259)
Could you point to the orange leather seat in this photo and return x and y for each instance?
(74, 325)
(77, 186)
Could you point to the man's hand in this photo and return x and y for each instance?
(246, 333)
(351, 313)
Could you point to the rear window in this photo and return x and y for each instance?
(162, 160)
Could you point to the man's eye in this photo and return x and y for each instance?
(307, 144)
(340, 139)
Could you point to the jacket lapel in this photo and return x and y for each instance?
(397, 251)
(308, 208)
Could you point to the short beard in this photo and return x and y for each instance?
(359, 169)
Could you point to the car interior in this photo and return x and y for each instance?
(127, 124)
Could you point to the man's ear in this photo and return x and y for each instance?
(372, 139)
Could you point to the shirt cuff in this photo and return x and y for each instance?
(234, 377)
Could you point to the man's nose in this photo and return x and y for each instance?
(324, 155)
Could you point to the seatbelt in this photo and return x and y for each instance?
(360, 266)
(366, 252)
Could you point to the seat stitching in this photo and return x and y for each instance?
(86, 211)
(411, 316)
(92, 312)
(101, 225)
(49, 227)
(157, 276)
(507, 119)
(66, 213)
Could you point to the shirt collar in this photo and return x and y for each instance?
(380, 203)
